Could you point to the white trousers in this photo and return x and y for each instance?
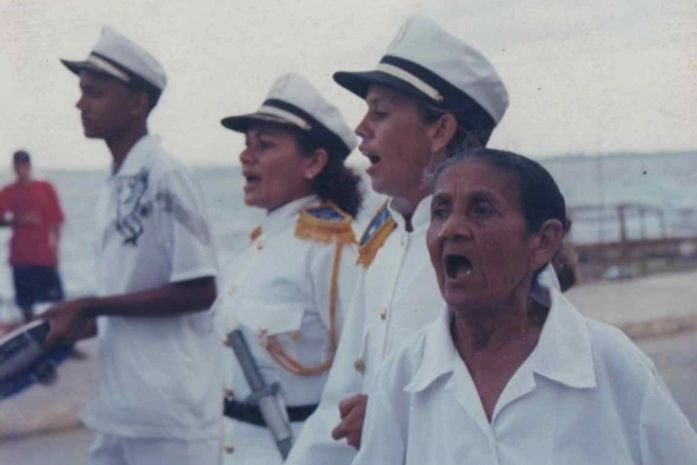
(108, 449)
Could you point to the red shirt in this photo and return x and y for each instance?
(35, 214)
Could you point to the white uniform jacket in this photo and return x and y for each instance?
(585, 395)
(158, 377)
(396, 295)
(280, 287)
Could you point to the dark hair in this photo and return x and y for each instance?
(540, 197)
(140, 85)
(463, 139)
(21, 156)
(336, 182)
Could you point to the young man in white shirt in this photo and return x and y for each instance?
(159, 386)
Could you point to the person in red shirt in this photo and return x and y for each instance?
(31, 208)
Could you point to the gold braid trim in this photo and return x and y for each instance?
(255, 233)
(310, 227)
(368, 251)
(290, 364)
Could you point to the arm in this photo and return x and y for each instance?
(69, 319)
(4, 207)
(665, 433)
(315, 443)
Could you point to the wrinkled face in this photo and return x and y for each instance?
(106, 106)
(396, 141)
(273, 166)
(478, 239)
(22, 170)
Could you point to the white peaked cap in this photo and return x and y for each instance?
(432, 65)
(118, 56)
(293, 101)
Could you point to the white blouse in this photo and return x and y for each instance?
(585, 395)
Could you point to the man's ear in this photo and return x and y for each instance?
(315, 163)
(140, 104)
(546, 242)
(443, 131)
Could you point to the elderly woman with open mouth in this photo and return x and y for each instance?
(503, 379)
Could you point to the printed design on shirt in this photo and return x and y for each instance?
(131, 210)
(133, 207)
(191, 221)
(379, 229)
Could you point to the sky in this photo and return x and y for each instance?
(590, 77)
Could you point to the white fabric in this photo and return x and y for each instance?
(401, 285)
(296, 90)
(585, 395)
(159, 377)
(425, 43)
(279, 285)
(401, 281)
(113, 450)
(131, 56)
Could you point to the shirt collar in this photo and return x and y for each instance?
(439, 354)
(280, 217)
(138, 155)
(563, 352)
(419, 219)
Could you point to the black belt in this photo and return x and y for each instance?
(250, 413)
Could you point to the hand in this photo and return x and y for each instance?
(69, 322)
(352, 411)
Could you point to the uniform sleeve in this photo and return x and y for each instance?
(54, 212)
(382, 441)
(183, 228)
(666, 434)
(321, 272)
(315, 444)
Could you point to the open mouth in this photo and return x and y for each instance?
(458, 266)
(372, 157)
(251, 179)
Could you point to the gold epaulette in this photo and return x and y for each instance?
(379, 229)
(326, 223)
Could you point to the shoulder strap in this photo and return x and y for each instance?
(376, 233)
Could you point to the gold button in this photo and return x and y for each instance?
(383, 313)
(229, 448)
(359, 365)
(229, 393)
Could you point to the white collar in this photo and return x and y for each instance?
(138, 155)
(279, 218)
(419, 219)
(563, 352)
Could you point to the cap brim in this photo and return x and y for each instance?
(359, 82)
(76, 66)
(241, 123)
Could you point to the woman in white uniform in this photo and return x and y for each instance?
(287, 290)
(498, 378)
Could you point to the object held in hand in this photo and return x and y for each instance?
(24, 361)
